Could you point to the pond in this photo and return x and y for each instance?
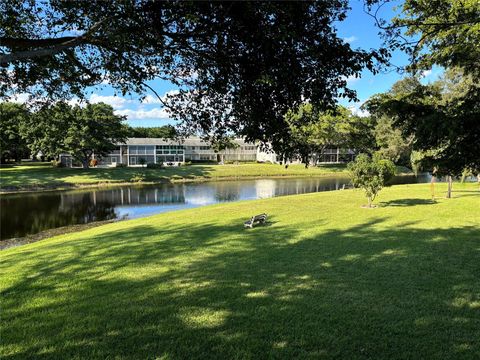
(31, 213)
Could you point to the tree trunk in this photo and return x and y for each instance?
(85, 163)
(369, 201)
(432, 187)
(18, 157)
(449, 191)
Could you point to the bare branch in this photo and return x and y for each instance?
(55, 49)
(158, 96)
(28, 43)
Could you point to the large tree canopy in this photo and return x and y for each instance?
(165, 132)
(311, 132)
(12, 145)
(240, 65)
(434, 32)
(79, 131)
(442, 118)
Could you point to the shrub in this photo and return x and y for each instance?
(142, 161)
(138, 177)
(57, 164)
(155, 166)
(370, 174)
(120, 165)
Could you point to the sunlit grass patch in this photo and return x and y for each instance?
(325, 279)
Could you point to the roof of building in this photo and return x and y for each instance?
(190, 141)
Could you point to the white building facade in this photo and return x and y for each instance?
(141, 151)
(137, 151)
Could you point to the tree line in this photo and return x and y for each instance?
(61, 128)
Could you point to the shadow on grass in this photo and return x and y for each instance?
(408, 202)
(217, 291)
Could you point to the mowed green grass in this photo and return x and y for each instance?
(46, 175)
(324, 279)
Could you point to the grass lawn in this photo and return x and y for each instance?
(323, 279)
(25, 176)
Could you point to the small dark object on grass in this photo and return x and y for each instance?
(261, 219)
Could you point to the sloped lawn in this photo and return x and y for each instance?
(323, 279)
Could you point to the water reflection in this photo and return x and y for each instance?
(24, 214)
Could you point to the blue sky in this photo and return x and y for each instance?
(358, 29)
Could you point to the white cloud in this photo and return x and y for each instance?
(19, 98)
(155, 113)
(150, 99)
(23, 98)
(426, 73)
(350, 39)
(76, 101)
(115, 101)
(350, 79)
(355, 109)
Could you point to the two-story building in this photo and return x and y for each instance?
(140, 151)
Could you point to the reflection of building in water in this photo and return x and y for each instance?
(265, 188)
(270, 188)
(164, 195)
(200, 194)
(125, 196)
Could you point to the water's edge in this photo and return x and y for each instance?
(47, 234)
(27, 189)
(32, 215)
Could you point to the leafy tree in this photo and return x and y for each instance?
(370, 174)
(391, 142)
(307, 134)
(442, 118)
(79, 131)
(444, 121)
(95, 130)
(438, 32)
(240, 65)
(165, 132)
(222, 144)
(311, 132)
(44, 132)
(12, 146)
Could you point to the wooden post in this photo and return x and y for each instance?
(449, 191)
(432, 187)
